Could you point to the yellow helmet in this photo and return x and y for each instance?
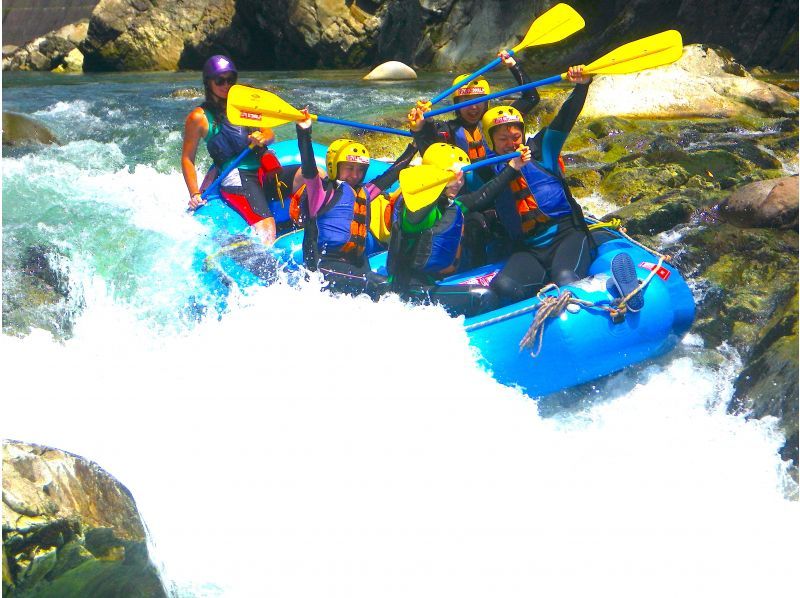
(500, 115)
(344, 150)
(471, 89)
(445, 156)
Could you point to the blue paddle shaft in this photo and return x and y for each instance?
(489, 161)
(492, 96)
(218, 181)
(350, 123)
(469, 78)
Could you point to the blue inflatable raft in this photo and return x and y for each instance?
(585, 339)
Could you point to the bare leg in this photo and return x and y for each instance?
(266, 230)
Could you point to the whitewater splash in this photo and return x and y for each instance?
(309, 445)
(306, 445)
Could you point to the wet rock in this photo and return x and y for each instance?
(19, 129)
(36, 293)
(771, 203)
(70, 529)
(391, 71)
(665, 211)
(701, 84)
(188, 93)
(767, 386)
(750, 273)
(73, 63)
(56, 50)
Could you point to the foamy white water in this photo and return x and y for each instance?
(270, 453)
(269, 458)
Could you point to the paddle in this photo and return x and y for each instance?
(252, 107)
(556, 24)
(648, 52)
(421, 185)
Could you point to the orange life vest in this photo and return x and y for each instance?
(529, 213)
(476, 150)
(358, 226)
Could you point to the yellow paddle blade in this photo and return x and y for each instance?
(559, 22)
(646, 53)
(421, 185)
(250, 107)
(377, 223)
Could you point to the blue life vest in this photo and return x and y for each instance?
(225, 141)
(435, 251)
(548, 191)
(342, 225)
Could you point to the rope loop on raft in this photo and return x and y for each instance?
(550, 306)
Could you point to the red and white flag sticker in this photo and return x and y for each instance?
(661, 271)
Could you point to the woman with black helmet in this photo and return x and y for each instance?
(224, 141)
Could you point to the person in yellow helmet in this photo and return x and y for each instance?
(464, 129)
(425, 244)
(551, 242)
(482, 229)
(337, 239)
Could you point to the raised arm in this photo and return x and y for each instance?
(530, 98)
(308, 168)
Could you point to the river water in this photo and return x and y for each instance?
(310, 445)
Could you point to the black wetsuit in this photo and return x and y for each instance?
(485, 239)
(405, 247)
(559, 250)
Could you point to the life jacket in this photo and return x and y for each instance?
(536, 196)
(295, 213)
(340, 228)
(475, 146)
(529, 213)
(434, 252)
(225, 141)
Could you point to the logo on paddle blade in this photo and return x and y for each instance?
(250, 115)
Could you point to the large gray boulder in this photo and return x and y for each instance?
(703, 83)
(70, 529)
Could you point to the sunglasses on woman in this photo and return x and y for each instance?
(225, 80)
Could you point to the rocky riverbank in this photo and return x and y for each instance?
(70, 529)
(445, 34)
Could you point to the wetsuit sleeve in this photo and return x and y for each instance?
(556, 132)
(308, 169)
(390, 176)
(425, 137)
(484, 197)
(570, 109)
(530, 98)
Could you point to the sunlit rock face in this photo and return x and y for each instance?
(70, 528)
(703, 83)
